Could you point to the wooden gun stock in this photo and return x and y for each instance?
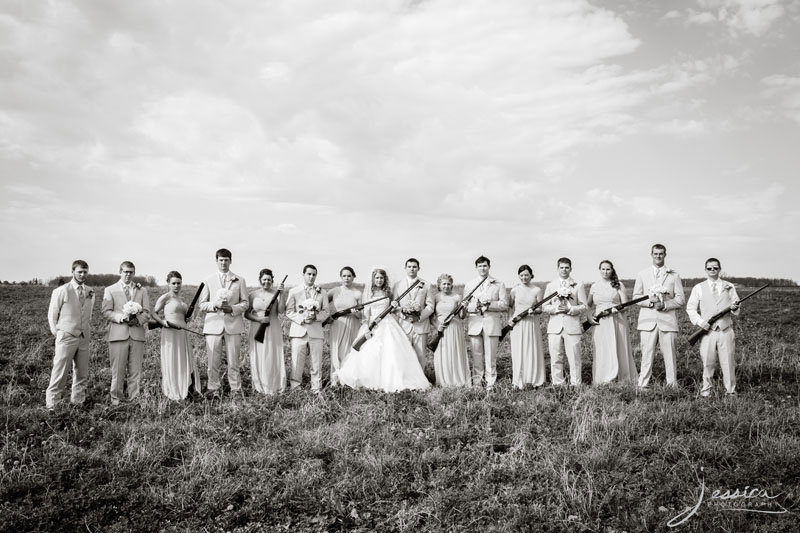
(190, 310)
(357, 307)
(588, 324)
(262, 328)
(700, 332)
(363, 338)
(434, 343)
(514, 321)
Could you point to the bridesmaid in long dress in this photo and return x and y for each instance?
(344, 330)
(450, 359)
(267, 364)
(527, 348)
(179, 375)
(613, 356)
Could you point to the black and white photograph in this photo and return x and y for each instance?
(401, 265)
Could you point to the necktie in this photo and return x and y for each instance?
(81, 295)
(564, 283)
(715, 290)
(127, 293)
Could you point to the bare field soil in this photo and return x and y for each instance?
(605, 458)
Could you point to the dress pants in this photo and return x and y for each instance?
(722, 343)
(232, 350)
(666, 340)
(126, 361)
(572, 346)
(301, 346)
(484, 358)
(69, 349)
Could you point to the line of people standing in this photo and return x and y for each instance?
(396, 320)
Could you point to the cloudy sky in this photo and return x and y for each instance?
(364, 132)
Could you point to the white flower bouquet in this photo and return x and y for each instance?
(309, 308)
(131, 309)
(659, 290)
(223, 295)
(410, 308)
(565, 293)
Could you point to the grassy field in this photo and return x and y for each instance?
(555, 459)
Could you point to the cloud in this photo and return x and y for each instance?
(753, 17)
(786, 90)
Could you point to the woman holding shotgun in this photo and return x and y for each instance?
(267, 365)
(179, 374)
(613, 356)
(344, 329)
(527, 348)
(450, 358)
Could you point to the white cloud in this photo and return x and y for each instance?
(785, 89)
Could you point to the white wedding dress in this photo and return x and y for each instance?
(387, 361)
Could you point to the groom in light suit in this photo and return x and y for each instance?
(69, 316)
(125, 332)
(658, 323)
(306, 328)
(484, 322)
(565, 323)
(224, 299)
(416, 327)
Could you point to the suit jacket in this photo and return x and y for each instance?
(217, 321)
(569, 322)
(491, 322)
(297, 295)
(113, 300)
(67, 314)
(674, 298)
(702, 299)
(420, 294)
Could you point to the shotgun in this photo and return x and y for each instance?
(262, 328)
(356, 307)
(363, 338)
(528, 311)
(434, 343)
(587, 324)
(176, 326)
(699, 332)
(154, 324)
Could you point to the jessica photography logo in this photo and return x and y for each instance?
(752, 499)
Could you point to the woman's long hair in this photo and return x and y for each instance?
(614, 278)
(387, 288)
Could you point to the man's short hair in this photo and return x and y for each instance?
(126, 264)
(224, 252)
(412, 260)
(658, 247)
(79, 263)
(713, 260)
(309, 266)
(483, 259)
(565, 260)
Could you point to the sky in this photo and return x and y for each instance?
(362, 133)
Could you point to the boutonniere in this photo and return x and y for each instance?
(492, 280)
(91, 293)
(727, 287)
(670, 271)
(137, 286)
(317, 289)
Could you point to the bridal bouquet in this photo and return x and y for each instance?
(659, 290)
(130, 310)
(309, 308)
(410, 308)
(223, 295)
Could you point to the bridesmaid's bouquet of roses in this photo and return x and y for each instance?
(130, 310)
(309, 308)
(659, 290)
(410, 309)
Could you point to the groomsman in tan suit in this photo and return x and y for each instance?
(224, 299)
(565, 323)
(707, 299)
(307, 308)
(125, 332)
(658, 322)
(484, 322)
(69, 316)
(415, 325)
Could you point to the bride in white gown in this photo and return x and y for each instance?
(387, 361)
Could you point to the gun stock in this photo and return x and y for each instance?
(514, 321)
(192, 305)
(699, 333)
(262, 328)
(588, 324)
(356, 307)
(363, 338)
